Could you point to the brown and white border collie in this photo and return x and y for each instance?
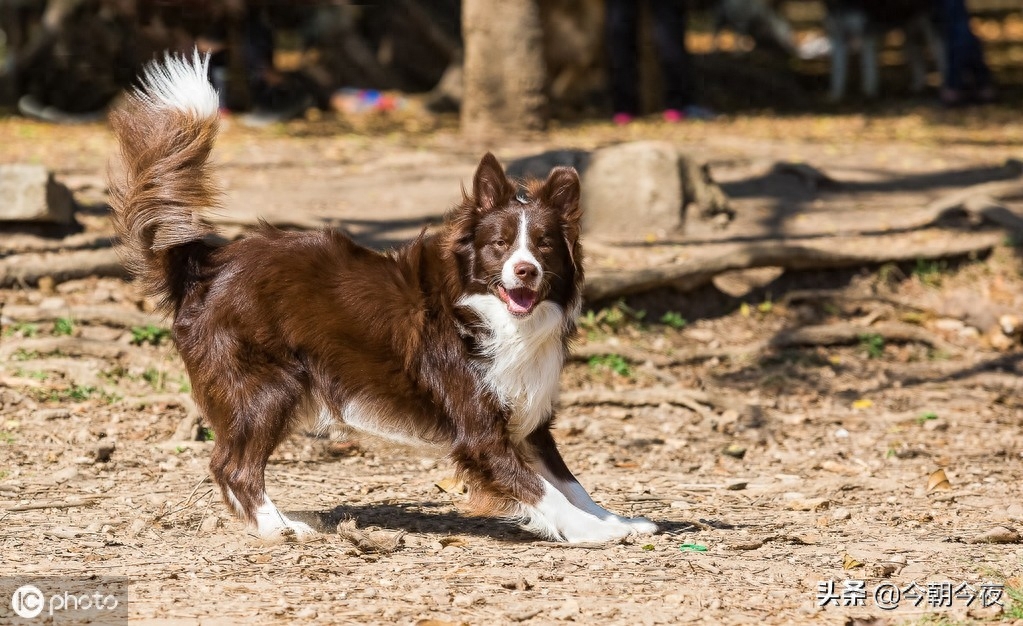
(454, 341)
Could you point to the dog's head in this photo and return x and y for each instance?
(520, 245)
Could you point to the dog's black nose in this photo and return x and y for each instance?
(526, 271)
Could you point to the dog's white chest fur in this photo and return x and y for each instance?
(526, 356)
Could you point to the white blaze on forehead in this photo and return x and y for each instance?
(522, 254)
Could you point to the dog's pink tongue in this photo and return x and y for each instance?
(521, 300)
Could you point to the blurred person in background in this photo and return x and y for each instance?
(967, 77)
(668, 23)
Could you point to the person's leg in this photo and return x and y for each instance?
(957, 28)
(669, 30)
(621, 45)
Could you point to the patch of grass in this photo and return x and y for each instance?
(64, 326)
(6, 437)
(33, 374)
(80, 392)
(206, 434)
(184, 386)
(154, 377)
(22, 329)
(673, 319)
(613, 362)
(153, 335)
(75, 392)
(21, 354)
(4, 474)
(114, 374)
(873, 344)
(929, 272)
(611, 319)
(926, 417)
(110, 397)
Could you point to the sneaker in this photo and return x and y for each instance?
(697, 112)
(673, 115)
(621, 119)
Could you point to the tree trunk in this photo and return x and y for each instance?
(504, 67)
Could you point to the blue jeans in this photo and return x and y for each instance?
(964, 56)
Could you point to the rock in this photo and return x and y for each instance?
(633, 191)
(30, 193)
(102, 452)
(568, 610)
(210, 524)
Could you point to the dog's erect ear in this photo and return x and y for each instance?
(490, 187)
(561, 192)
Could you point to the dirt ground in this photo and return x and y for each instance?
(801, 465)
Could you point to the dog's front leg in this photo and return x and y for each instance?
(503, 483)
(550, 465)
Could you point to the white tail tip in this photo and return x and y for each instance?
(180, 84)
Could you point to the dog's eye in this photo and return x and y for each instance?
(544, 243)
(500, 243)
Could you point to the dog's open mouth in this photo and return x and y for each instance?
(520, 301)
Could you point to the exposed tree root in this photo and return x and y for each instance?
(101, 315)
(831, 252)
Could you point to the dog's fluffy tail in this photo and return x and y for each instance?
(166, 131)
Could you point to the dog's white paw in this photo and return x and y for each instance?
(271, 524)
(640, 525)
(597, 532)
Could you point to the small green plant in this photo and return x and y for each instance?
(64, 326)
(613, 362)
(184, 386)
(80, 392)
(110, 397)
(673, 319)
(21, 354)
(873, 343)
(153, 335)
(206, 434)
(610, 319)
(766, 306)
(4, 474)
(33, 374)
(6, 437)
(154, 377)
(24, 329)
(929, 272)
(926, 417)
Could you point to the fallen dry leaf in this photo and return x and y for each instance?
(998, 534)
(850, 562)
(370, 540)
(451, 485)
(938, 481)
(809, 504)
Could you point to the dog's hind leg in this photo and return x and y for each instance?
(246, 435)
(552, 467)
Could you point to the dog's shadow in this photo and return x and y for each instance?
(420, 518)
(436, 518)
